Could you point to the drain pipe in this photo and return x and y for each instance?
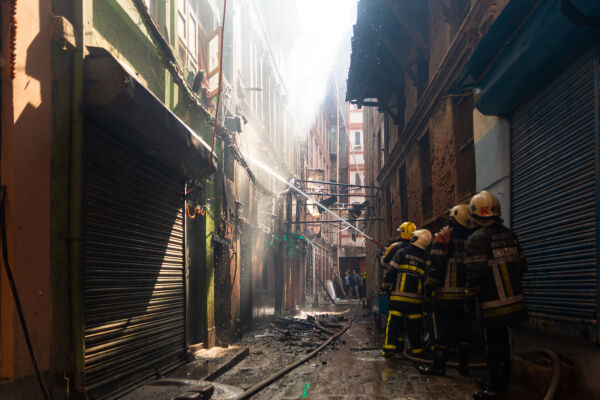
(312, 245)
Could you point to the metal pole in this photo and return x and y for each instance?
(337, 159)
(336, 222)
(337, 184)
(337, 194)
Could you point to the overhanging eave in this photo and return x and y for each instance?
(116, 101)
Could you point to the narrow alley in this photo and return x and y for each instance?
(351, 368)
(299, 199)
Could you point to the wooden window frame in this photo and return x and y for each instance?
(464, 147)
(403, 192)
(426, 177)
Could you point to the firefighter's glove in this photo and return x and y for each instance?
(469, 305)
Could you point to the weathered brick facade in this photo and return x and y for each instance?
(419, 133)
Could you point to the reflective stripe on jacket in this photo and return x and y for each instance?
(495, 265)
(390, 252)
(406, 275)
(448, 271)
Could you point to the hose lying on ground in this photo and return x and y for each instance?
(552, 386)
(262, 384)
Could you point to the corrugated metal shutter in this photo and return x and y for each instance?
(554, 204)
(133, 268)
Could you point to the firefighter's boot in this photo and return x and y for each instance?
(489, 394)
(438, 367)
(499, 372)
(463, 359)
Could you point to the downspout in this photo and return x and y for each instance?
(312, 245)
(76, 203)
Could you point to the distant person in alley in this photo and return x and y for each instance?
(495, 265)
(354, 278)
(347, 283)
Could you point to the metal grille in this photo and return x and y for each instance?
(133, 268)
(553, 201)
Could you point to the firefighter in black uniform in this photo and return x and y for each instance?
(406, 230)
(446, 278)
(495, 265)
(404, 280)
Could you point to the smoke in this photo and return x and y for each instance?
(313, 38)
(326, 25)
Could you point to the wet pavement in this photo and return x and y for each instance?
(349, 368)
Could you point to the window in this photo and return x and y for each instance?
(198, 49)
(357, 140)
(465, 150)
(426, 185)
(388, 209)
(403, 193)
(212, 60)
(187, 31)
(357, 179)
(379, 153)
(152, 6)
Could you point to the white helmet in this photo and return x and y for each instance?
(421, 238)
(484, 205)
(460, 213)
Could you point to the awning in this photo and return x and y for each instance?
(120, 104)
(523, 48)
(380, 48)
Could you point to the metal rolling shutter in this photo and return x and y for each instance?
(133, 268)
(554, 204)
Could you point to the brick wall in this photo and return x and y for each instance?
(443, 158)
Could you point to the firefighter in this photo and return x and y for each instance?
(495, 265)
(406, 230)
(446, 279)
(404, 280)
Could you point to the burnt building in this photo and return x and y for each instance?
(462, 96)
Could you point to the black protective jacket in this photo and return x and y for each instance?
(447, 274)
(495, 265)
(390, 252)
(405, 277)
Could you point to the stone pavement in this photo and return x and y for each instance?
(342, 372)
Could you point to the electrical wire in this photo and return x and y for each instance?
(15, 294)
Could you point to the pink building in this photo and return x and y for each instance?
(352, 245)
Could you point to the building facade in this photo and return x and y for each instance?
(421, 142)
(321, 166)
(152, 230)
(483, 108)
(352, 244)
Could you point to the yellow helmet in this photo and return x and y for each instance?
(406, 230)
(421, 238)
(460, 213)
(484, 205)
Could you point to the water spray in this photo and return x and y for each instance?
(270, 171)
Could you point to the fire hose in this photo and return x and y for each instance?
(552, 386)
(264, 383)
